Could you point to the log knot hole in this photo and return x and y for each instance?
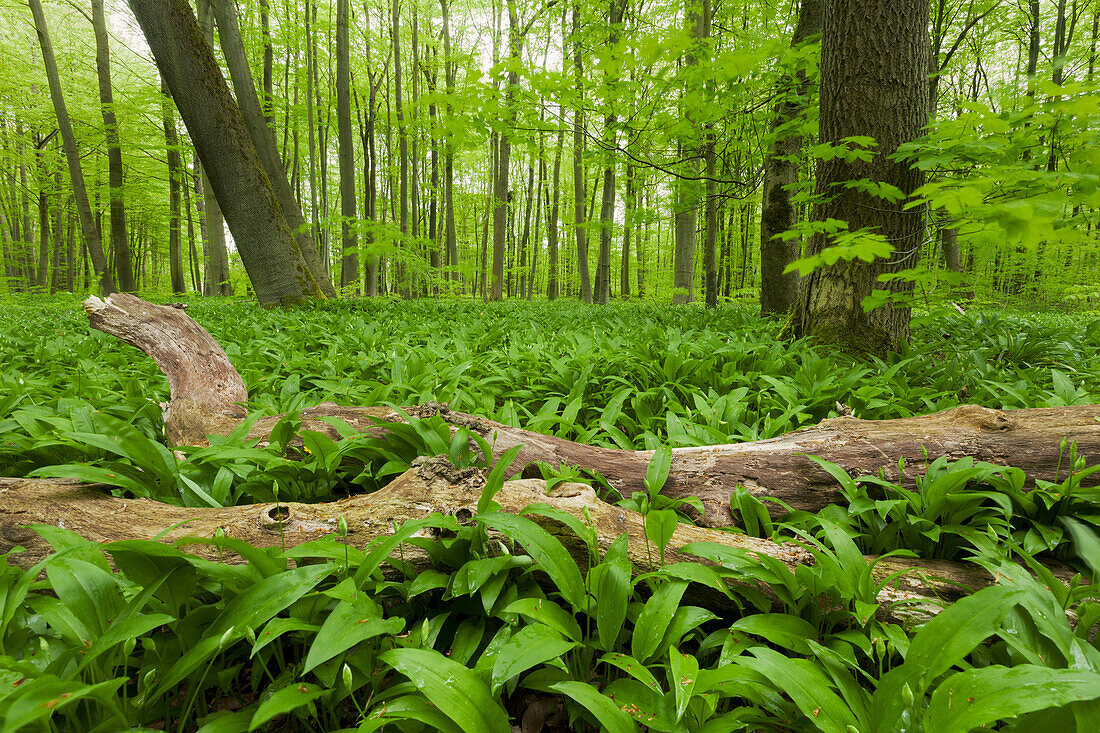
(982, 418)
(275, 516)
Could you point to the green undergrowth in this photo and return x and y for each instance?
(143, 635)
(317, 638)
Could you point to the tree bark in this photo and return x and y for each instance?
(435, 486)
(345, 154)
(72, 155)
(115, 176)
(874, 82)
(260, 123)
(579, 217)
(205, 390)
(779, 291)
(172, 153)
(270, 255)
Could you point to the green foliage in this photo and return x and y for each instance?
(315, 638)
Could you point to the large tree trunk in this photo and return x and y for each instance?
(874, 81)
(206, 391)
(260, 123)
(779, 291)
(271, 257)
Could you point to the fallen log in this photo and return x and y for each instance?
(919, 589)
(206, 391)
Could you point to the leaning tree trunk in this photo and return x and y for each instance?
(266, 245)
(259, 121)
(874, 82)
(206, 392)
(76, 175)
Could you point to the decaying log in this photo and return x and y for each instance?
(432, 486)
(206, 391)
(205, 385)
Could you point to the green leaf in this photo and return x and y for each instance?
(548, 553)
(609, 583)
(660, 525)
(787, 631)
(940, 644)
(259, 603)
(458, 693)
(532, 645)
(806, 685)
(38, 699)
(650, 627)
(656, 473)
(602, 708)
(547, 612)
(979, 697)
(351, 622)
(289, 698)
(683, 674)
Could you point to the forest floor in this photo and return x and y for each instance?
(807, 650)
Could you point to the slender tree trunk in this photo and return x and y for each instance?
(607, 204)
(710, 244)
(216, 269)
(501, 195)
(114, 151)
(401, 273)
(874, 81)
(552, 211)
(345, 155)
(579, 218)
(172, 153)
(450, 70)
(42, 273)
(271, 257)
(193, 255)
(779, 291)
(370, 157)
(265, 30)
(72, 155)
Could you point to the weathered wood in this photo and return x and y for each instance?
(206, 393)
(432, 486)
(206, 387)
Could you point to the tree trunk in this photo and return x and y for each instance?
(42, 274)
(172, 153)
(552, 210)
(579, 218)
(779, 291)
(501, 195)
(119, 244)
(72, 155)
(345, 155)
(874, 81)
(259, 123)
(450, 69)
(206, 390)
(270, 255)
